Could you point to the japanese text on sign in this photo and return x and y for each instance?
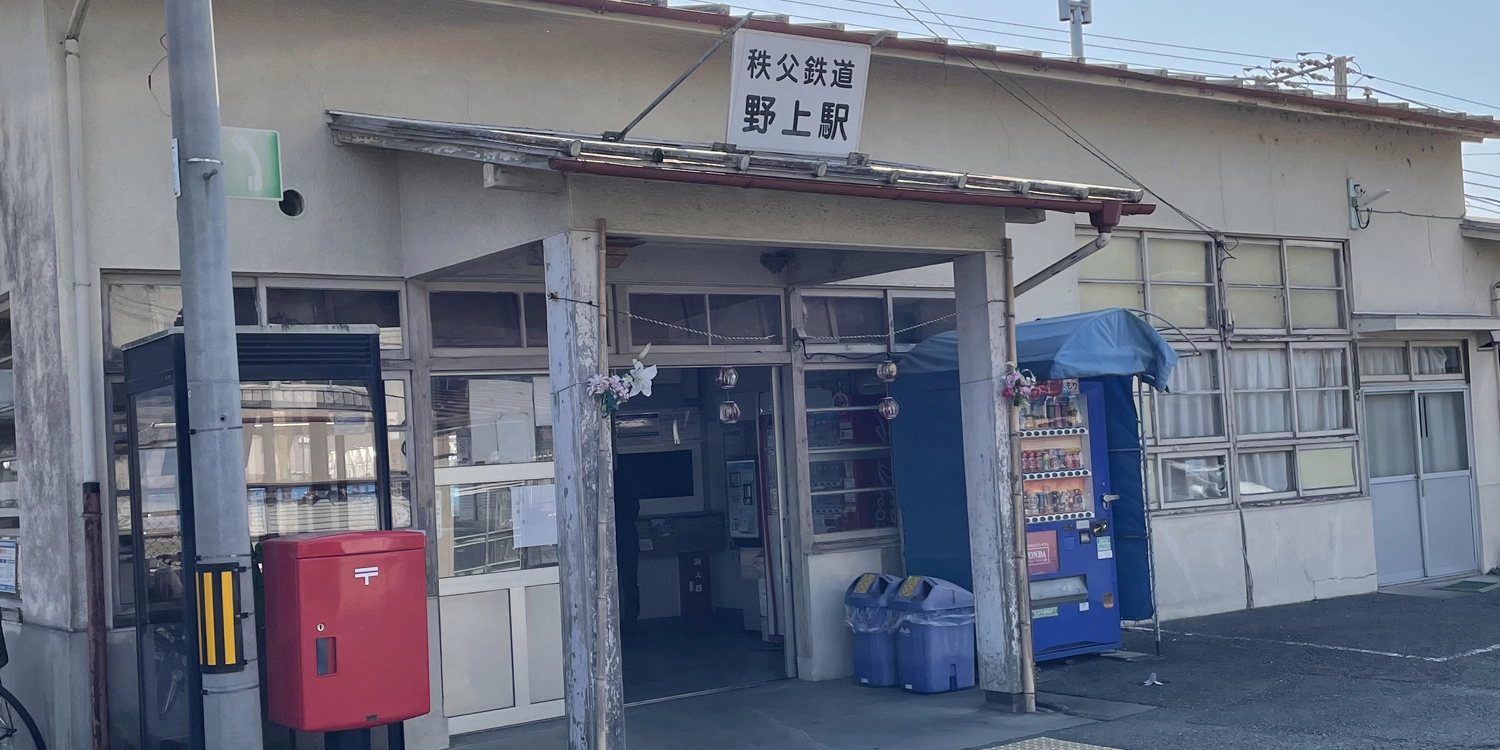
(796, 95)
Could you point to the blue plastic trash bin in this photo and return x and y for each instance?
(935, 635)
(874, 645)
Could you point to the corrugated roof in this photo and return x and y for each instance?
(723, 164)
(1236, 89)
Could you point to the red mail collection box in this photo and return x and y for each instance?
(346, 629)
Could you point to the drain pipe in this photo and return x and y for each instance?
(1104, 220)
(96, 624)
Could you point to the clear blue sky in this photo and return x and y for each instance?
(1448, 47)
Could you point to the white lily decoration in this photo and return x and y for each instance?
(640, 375)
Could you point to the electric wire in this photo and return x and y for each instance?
(1037, 106)
(1435, 93)
(1486, 174)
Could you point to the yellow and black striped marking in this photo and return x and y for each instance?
(218, 618)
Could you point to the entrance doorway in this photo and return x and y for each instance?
(703, 590)
(1421, 483)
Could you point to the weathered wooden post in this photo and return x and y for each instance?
(593, 690)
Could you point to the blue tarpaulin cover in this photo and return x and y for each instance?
(1112, 346)
(1086, 345)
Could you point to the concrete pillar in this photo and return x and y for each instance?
(979, 292)
(592, 683)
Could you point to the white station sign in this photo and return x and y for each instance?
(796, 95)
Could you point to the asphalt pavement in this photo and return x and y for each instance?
(1374, 671)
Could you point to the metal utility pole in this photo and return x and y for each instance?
(231, 700)
(1077, 13)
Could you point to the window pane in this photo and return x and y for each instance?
(1376, 361)
(1392, 443)
(685, 310)
(244, 306)
(853, 319)
(854, 511)
(1120, 259)
(850, 471)
(1261, 370)
(1323, 410)
(1253, 264)
(1264, 473)
(139, 310)
(1093, 296)
(1321, 368)
(1326, 467)
(1178, 260)
(1316, 309)
(843, 388)
(1186, 306)
(306, 307)
(491, 419)
(1439, 360)
(1445, 432)
(477, 531)
(536, 319)
(930, 316)
(745, 316)
(1189, 479)
(1257, 307)
(1192, 407)
(475, 319)
(1312, 266)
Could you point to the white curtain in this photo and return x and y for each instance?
(1390, 440)
(1327, 408)
(1382, 360)
(1445, 433)
(1254, 370)
(1261, 473)
(1185, 411)
(1437, 360)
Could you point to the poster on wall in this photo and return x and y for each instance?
(740, 479)
(534, 513)
(8, 567)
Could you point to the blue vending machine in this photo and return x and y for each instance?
(1070, 551)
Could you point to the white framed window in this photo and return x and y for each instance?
(1315, 281)
(1181, 284)
(1398, 361)
(1286, 390)
(1254, 287)
(1193, 479)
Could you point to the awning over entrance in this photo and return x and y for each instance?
(1086, 345)
(725, 165)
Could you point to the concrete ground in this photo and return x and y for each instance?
(1405, 672)
(1417, 670)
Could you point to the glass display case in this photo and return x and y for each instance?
(1056, 464)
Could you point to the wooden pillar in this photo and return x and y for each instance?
(979, 291)
(593, 689)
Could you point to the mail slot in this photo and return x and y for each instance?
(346, 629)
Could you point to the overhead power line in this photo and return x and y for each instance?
(1435, 93)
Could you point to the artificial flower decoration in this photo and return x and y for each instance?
(1019, 387)
(614, 390)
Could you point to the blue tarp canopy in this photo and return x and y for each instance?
(1086, 345)
(1111, 346)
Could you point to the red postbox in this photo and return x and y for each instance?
(346, 629)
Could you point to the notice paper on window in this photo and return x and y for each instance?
(534, 511)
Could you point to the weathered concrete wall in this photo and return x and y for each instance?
(49, 653)
(1309, 551)
(1200, 569)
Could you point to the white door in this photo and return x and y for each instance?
(501, 631)
(1421, 485)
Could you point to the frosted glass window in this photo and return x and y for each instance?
(1257, 307)
(1312, 266)
(1323, 468)
(1445, 432)
(1316, 308)
(1119, 260)
(1391, 443)
(1185, 306)
(1178, 260)
(1382, 361)
(1093, 296)
(1254, 264)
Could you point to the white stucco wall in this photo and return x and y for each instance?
(1199, 566)
(1309, 551)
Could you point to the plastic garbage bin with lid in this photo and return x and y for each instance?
(935, 635)
(874, 645)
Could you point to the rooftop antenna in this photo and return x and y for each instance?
(1077, 13)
